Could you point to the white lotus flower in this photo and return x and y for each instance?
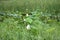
(27, 15)
(28, 27)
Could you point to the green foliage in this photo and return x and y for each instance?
(30, 20)
(13, 26)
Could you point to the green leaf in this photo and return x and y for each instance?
(29, 20)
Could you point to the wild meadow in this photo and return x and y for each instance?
(29, 19)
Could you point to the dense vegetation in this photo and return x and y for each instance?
(30, 20)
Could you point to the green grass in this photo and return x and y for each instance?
(43, 19)
(43, 5)
(15, 28)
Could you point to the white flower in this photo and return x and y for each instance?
(27, 15)
(28, 27)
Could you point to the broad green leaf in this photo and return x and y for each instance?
(29, 20)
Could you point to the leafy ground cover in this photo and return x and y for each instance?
(28, 26)
(26, 22)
